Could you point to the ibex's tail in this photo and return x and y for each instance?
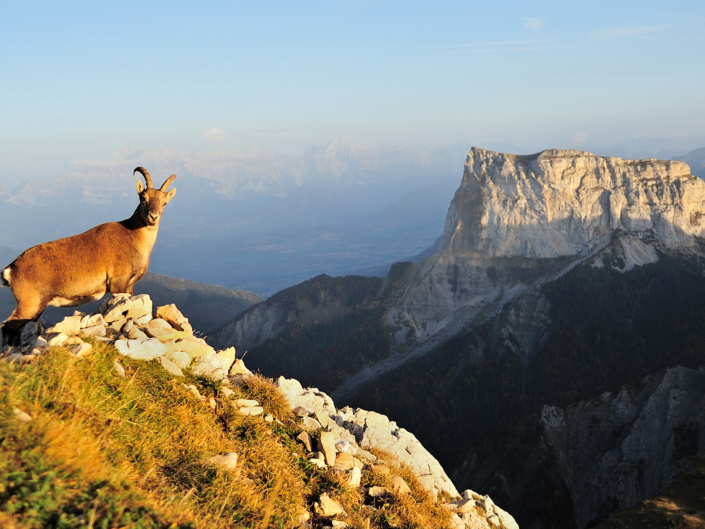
(6, 277)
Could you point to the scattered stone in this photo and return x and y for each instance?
(112, 332)
(229, 393)
(194, 347)
(209, 366)
(399, 486)
(95, 330)
(22, 416)
(80, 350)
(310, 423)
(40, 341)
(381, 469)
(300, 411)
(140, 306)
(342, 445)
(29, 333)
(227, 461)
(143, 320)
(227, 356)
(325, 507)
(118, 368)
(115, 307)
(245, 402)
(212, 403)
(238, 368)
(158, 323)
(56, 339)
(269, 418)
(91, 321)
(161, 334)
(172, 315)
(320, 463)
(136, 334)
(322, 418)
(344, 461)
(69, 325)
(170, 366)
(72, 340)
(326, 444)
(141, 349)
(305, 438)
(251, 410)
(194, 391)
(127, 326)
(377, 492)
(180, 358)
(337, 524)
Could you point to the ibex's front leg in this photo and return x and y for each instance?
(28, 309)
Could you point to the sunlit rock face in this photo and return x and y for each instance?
(561, 202)
(516, 221)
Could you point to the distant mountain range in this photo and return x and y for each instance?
(257, 220)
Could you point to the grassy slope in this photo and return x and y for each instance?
(104, 451)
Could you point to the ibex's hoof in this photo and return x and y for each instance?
(12, 332)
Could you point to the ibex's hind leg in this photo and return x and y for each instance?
(28, 309)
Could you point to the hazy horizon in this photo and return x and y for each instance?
(81, 83)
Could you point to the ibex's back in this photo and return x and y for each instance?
(67, 272)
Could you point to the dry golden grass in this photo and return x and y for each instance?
(106, 452)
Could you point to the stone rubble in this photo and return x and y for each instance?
(342, 437)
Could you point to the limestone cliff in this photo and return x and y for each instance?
(517, 220)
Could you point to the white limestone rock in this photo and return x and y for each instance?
(210, 366)
(364, 430)
(141, 349)
(170, 366)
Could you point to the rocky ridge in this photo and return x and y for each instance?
(344, 436)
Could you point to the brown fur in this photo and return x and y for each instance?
(68, 272)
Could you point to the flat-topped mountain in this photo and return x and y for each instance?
(561, 202)
(516, 220)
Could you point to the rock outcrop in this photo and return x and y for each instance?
(518, 220)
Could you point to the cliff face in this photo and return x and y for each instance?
(518, 220)
(562, 202)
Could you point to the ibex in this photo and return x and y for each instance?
(68, 272)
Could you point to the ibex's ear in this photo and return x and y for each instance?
(170, 195)
(140, 187)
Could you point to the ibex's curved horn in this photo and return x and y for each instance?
(146, 176)
(168, 181)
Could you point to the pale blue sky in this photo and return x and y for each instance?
(81, 80)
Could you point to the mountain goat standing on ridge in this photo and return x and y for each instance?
(68, 272)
